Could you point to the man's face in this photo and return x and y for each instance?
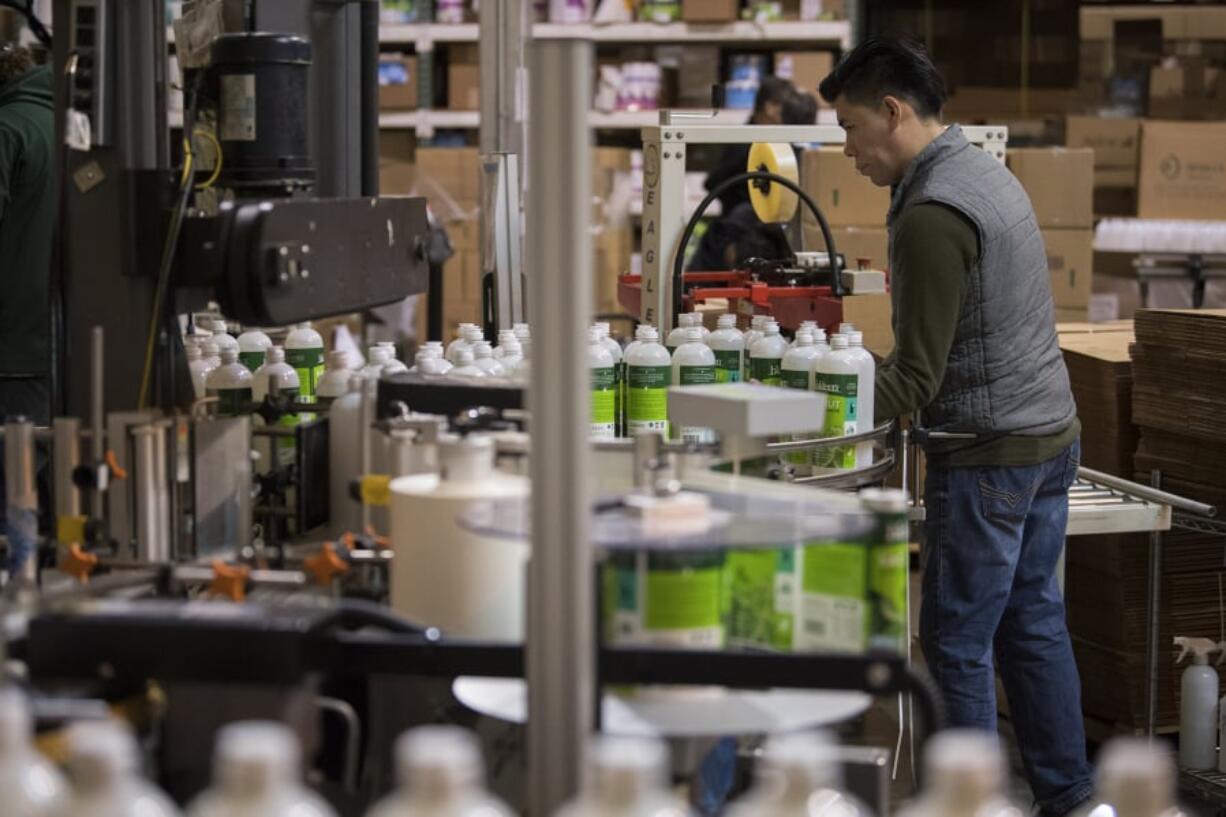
(871, 140)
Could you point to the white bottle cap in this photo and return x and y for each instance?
(473, 334)
(965, 766)
(846, 328)
(593, 335)
(511, 346)
(726, 322)
(15, 722)
(646, 333)
(771, 328)
(229, 355)
(193, 352)
(274, 354)
(482, 350)
(437, 760)
(838, 342)
(804, 338)
(379, 354)
(256, 756)
(804, 762)
(434, 344)
(819, 335)
(337, 360)
(621, 769)
(209, 349)
(1135, 779)
(100, 753)
(693, 334)
(757, 322)
(808, 326)
(521, 330)
(604, 328)
(855, 338)
(464, 357)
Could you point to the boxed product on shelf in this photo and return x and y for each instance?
(1186, 88)
(806, 69)
(400, 12)
(845, 197)
(450, 178)
(710, 11)
(1116, 142)
(1183, 175)
(1060, 183)
(463, 78)
(396, 165)
(1070, 261)
(397, 82)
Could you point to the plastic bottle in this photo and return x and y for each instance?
(252, 345)
(503, 334)
(867, 368)
(694, 365)
(965, 777)
(470, 336)
(439, 773)
(32, 786)
(304, 350)
(275, 375)
(1198, 715)
(766, 356)
(626, 777)
(199, 368)
(257, 768)
(805, 326)
(457, 343)
(604, 388)
(376, 358)
(649, 373)
(394, 364)
(345, 457)
(798, 776)
(335, 380)
(838, 377)
(512, 354)
(231, 384)
(524, 334)
(464, 368)
(756, 326)
(1134, 779)
(222, 338)
(483, 358)
(619, 368)
(676, 336)
(210, 354)
(797, 373)
(729, 346)
(103, 769)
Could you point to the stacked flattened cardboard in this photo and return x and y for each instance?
(1100, 371)
(1179, 374)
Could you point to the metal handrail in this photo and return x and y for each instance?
(855, 476)
(1147, 493)
(784, 446)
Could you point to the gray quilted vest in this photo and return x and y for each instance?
(1005, 373)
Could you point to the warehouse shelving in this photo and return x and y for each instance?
(813, 34)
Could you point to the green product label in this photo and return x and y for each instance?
(309, 363)
(833, 591)
(619, 399)
(841, 404)
(785, 598)
(682, 600)
(623, 622)
(252, 360)
(286, 447)
(233, 402)
(728, 366)
(604, 402)
(766, 370)
(647, 398)
(889, 572)
(697, 376)
(792, 379)
(759, 594)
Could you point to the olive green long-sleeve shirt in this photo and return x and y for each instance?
(934, 251)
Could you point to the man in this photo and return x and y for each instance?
(27, 220)
(976, 353)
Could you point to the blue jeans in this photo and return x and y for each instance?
(993, 538)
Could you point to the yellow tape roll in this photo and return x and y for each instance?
(774, 203)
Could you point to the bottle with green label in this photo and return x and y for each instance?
(805, 326)
(231, 384)
(728, 344)
(756, 326)
(694, 365)
(889, 566)
(766, 356)
(304, 350)
(252, 346)
(833, 609)
(649, 373)
(759, 597)
(797, 373)
(604, 388)
(837, 376)
(615, 350)
(665, 599)
(676, 337)
(278, 377)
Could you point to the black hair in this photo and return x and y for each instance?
(772, 89)
(800, 108)
(15, 60)
(892, 66)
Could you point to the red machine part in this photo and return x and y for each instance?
(788, 305)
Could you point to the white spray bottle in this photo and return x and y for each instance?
(1198, 705)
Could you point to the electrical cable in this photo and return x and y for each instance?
(209, 182)
(170, 244)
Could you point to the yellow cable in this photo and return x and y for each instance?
(216, 165)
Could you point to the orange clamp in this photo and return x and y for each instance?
(77, 563)
(229, 581)
(113, 466)
(326, 565)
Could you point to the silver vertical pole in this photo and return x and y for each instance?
(66, 456)
(560, 618)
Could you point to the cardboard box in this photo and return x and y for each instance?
(450, 178)
(1115, 298)
(855, 243)
(1116, 143)
(1183, 171)
(1060, 183)
(1116, 201)
(1070, 262)
(806, 69)
(1098, 23)
(710, 11)
(396, 168)
(845, 197)
(397, 82)
(1072, 314)
(463, 78)
(1187, 89)
(872, 315)
(984, 103)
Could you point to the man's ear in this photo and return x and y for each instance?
(893, 110)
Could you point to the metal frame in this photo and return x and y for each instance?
(664, 161)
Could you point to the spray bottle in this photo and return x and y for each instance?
(103, 768)
(1198, 715)
(256, 770)
(799, 776)
(32, 786)
(439, 774)
(627, 777)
